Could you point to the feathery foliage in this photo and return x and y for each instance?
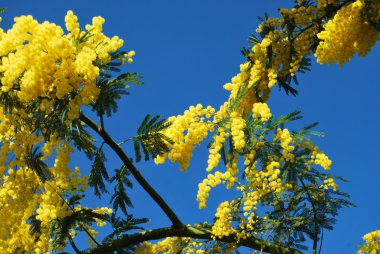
(99, 173)
(150, 139)
(111, 89)
(119, 197)
(35, 163)
(61, 228)
(123, 226)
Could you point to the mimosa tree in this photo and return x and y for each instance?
(285, 193)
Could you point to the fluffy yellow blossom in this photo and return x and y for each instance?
(237, 131)
(223, 223)
(285, 140)
(322, 160)
(329, 183)
(346, 34)
(216, 146)
(372, 243)
(186, 131)
(42, 63)
(324, 3)
(261, 110)
(204, 187)
(168, 245)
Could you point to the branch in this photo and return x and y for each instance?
(73, 245)
(135, 172)
(189, 231)
(316, 228)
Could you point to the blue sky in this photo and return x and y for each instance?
(186, 51)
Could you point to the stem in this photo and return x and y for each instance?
(189, 231)
(316, 228)
(320, 246)
(92, 238)
(73, 245)
(135, 172)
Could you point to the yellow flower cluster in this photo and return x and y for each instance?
(285, 139)
(22, 195)
(329, 183)
(242, 82)
(324, 3)
(212, 180)
(259, 74)
(174, 245)
(223, 223)
(186, 131)
(268, 180)
(250, 158)
(372, 243)
(169, 245)
(38, 60)
(129, 56)
(249, 206)
(216, 146)
(346, 34)
(261, 110)
(320, 158)
(237, 131)
(102, 211)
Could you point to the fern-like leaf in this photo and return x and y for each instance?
(123, 226)
(150, 139)
(35, 163)
(99, 173)
(120, 199)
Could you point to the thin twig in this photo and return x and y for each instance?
(316, 228)
(320, 246)
(135, 172)
(90, 235)
(75, 248)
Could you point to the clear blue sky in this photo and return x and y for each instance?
(186, 51)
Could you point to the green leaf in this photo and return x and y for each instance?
(35, 224)
(253, 40)
(120, 199)
(60, 228)
(123, 226)
(150, 139)
(99, 173)
(74, 200)
(111, 90)
(37, 165)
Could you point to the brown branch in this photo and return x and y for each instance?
(135, 172)
(188, 231)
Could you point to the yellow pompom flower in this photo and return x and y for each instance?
(372, 243)
(346, 34)
(261, 110)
